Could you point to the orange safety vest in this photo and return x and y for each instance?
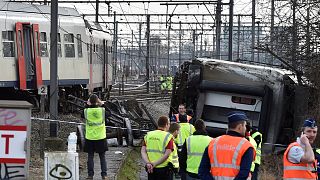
(225, 153)
(299, 171)
(177, 117)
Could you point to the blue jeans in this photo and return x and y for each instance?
(103, 164)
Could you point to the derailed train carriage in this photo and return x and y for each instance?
(84, 52)
(271, 97)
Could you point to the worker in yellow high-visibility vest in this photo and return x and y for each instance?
(174, 130)
(95, 135)
(257, 137)
(254, 144)
(192, 150)
(156, 149)
(186, 130)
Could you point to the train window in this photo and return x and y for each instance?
(43, 45)
(69, 45)
(59, 45)
(79, 42)
(8, 44)
(243, 100)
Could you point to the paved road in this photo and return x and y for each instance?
(114, 162)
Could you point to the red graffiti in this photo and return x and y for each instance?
(8, 117)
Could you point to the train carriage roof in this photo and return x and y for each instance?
(38, 9)
(251, 71)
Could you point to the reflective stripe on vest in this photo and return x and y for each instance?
(258, 157)
(196, 145)
(95, 123)
(254, 144)
(156, 143)
(177, 118)
(298, 170)
(174, 156)
(225, 153)
(186, 130)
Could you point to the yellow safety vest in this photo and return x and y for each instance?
(196, 144)
(156, 143)
(258, 150)
(174, 156)
(95, 123)
(254, 144)
(186, 130)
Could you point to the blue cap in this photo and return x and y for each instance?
(237, 116)
(310, 122)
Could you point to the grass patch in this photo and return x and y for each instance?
(130, 169)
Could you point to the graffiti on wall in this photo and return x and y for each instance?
(11, 171)
(11, 117)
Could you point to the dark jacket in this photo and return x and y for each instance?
(245, 165)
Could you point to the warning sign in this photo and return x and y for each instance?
(12, 144)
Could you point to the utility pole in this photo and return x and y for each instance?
(258, 40)
(218, 27)
(120, 60)
(238, 43)
(54, 88)
(230, 29)
(115, 40)
(294, 34)
(148, 54)
(253, 29)
(127, 60)
(272, 28)
(131, 55)
(180, 43)
(201, 37)
(193, 43)
(140, 61)
(213, 42)
(205, 47)
(97, 11)
(168, 49)
(308, 32)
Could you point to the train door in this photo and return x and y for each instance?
(29, 61)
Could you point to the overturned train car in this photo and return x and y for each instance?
(271, 97)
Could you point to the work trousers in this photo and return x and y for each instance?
(103, 164)
(161, 174)
(191, 178)
(255, 173)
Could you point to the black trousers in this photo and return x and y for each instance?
(161, 174)
(103, 164)
(255, 172)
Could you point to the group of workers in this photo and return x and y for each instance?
(166, 83)
(178, 146)
(179, 149)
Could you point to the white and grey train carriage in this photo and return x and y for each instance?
(84, 53)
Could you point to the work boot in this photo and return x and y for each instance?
(104, 177)
(89, 177)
